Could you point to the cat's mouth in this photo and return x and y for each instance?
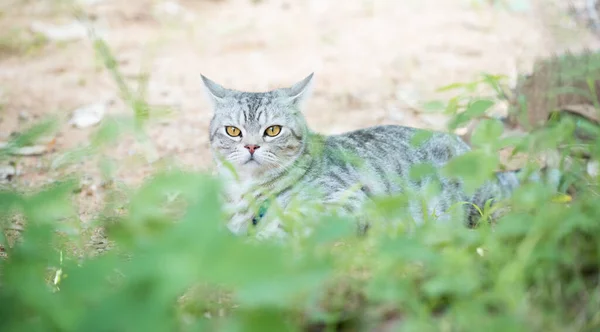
(251, 161)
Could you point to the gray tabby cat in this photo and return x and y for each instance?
(264, 149)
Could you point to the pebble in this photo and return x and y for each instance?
(593, 168)
(408, 97)
(173, 10)
(23, 116)
(7, 173)
(61, 33)
(88, 116)
(34, 150)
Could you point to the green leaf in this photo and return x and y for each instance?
(460, 284)
(514, 225)
(474, 110)
(421, 171)
(332, 229)
(9, 202)
(265, 319)
(420, 137)
(409, 250)
(529, 196)
(434, 106)
(449, 87)
(473, 168)
(487, 132)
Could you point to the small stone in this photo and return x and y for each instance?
(173, 10)
(394, 113)
(593, 168)
(408, 97)
(461, 131)
(34, 150)
(91, 190)
(88, 116)
(65, 32)
(23, 116)
(7, 173)
(480, 251)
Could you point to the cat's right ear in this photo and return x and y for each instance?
(216, 92)
(299, 92)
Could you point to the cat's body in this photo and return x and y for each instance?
(264, 148)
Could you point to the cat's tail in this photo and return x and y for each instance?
(509, 181)
(505, 185)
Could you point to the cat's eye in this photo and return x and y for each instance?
(273, 131)
(233, 131)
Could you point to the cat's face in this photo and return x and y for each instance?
(257, 133)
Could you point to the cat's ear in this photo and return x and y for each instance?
(214, 90)
(300, 91)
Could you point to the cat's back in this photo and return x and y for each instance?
(393, 142)
(380, 159)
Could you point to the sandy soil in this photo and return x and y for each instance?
(375, 61)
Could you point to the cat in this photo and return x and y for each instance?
(266, 153)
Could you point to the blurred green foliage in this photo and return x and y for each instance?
(175, 267)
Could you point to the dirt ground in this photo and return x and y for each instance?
(375, 62)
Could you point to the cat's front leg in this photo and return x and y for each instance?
(238, 215)
(272, 230)
(238, 222)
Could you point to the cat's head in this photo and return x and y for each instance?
(258, 133)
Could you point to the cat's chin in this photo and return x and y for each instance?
(254, 168)
(251, 164)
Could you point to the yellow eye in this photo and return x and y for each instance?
(273, 131)
(232, 131)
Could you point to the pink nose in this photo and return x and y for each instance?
(252, 148)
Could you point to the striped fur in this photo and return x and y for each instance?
(342, 172)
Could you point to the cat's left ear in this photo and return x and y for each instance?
(300, 91)
(216, 92)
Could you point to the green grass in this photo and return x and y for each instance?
(174, 266)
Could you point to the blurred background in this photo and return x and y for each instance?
(98, 95)
(376, 62)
